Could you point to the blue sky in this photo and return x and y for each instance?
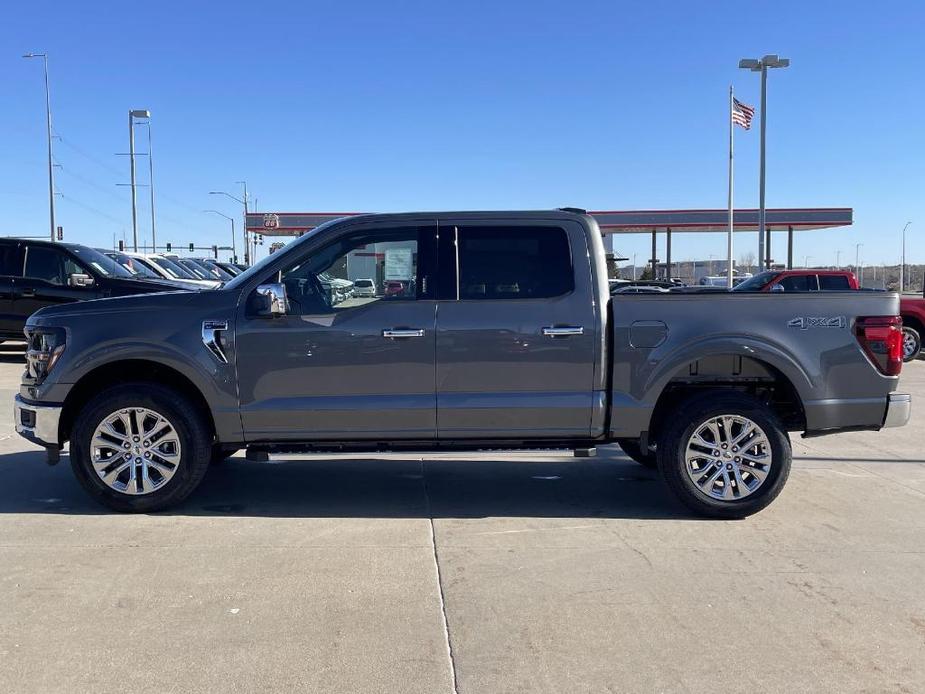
(376, 106)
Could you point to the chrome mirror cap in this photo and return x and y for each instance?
(273, 300)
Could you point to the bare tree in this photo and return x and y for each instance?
(747, 261)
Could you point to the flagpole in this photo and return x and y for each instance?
(730, 229)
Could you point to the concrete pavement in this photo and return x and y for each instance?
(484, 573)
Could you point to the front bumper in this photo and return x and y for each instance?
(898, 410)
(37, 423)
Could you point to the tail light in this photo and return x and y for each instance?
(881, 338)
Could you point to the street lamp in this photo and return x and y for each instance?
(762, 66)
(51, 170)
(243, 202)
(234, 252)
(132, 115)
(902, 265)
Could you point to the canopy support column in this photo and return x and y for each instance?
(790, 247)
(668, 254)
(654, 259)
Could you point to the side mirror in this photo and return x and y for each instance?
(777, 289)
(79, 279)
(271, 300)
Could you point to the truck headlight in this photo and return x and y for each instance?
(44, 346)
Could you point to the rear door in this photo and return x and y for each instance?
(11, 323)
(515, 330)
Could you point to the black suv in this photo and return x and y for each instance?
(35, 274)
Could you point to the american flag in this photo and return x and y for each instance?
(742, 114)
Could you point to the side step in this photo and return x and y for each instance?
(586, 452)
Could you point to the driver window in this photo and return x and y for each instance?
(357, 269)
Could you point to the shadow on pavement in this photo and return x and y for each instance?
(609, 487)
(13, 352)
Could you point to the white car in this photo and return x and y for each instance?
(166, 268)
(364, 287)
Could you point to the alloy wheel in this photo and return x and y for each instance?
(728, 457)
(135, 450)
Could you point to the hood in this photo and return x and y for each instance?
(159, 306)
(124, 286)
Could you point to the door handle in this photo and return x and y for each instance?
(564, 331)
(27, 292)
(403, 332)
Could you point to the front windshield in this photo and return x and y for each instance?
(172, 269)
(194, 269)
(133, 265)
(104, 265)
(756, 282)
(261, 266)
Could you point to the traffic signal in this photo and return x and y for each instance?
(61, 233)
(191, 248)
(121, 245)
(169, 246)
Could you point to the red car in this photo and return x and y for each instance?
(912, 309)
(393, 288)
(799, 281)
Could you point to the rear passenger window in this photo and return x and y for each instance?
(799, 283)
(833, 282)
(514, 262)
(10, 260)
(44, 264)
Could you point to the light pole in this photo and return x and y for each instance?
(151, 183)
(806, 261)
(234, 252)
(51, 169)
(132, 115)
(838, 260)
(902, 264)
(762, 65)
(243, 202)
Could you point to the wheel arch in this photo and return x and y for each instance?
(751, 375)
(124, 371)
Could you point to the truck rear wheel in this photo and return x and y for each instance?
(912, 343)
(724, 454)
(632, 448)
(140, 447)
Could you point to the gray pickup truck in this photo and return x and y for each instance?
(488, 330)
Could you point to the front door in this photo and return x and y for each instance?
(46, 281)
(344, 364)
(516, 345)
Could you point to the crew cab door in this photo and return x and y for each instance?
(342, 368)
(516, 334)
(46, 281)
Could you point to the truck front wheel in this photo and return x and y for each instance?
(724, 454)
(140, 447)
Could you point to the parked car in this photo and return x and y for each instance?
(912, 310)
(230, 268)
(169, 270)
(806, 280)
(145, 268)
(35, 274)
(394, 287)
(216, 271)
(365, 287)
(512, 345)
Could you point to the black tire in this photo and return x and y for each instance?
(681, 424)
(912, 336)
(632, 448)
(192, 431)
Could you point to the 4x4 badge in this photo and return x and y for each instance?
(804, 323)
